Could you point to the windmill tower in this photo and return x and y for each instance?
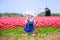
(47, 11)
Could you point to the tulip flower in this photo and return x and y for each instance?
(13, 22)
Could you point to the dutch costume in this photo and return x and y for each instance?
(29, 28)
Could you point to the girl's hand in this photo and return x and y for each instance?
(26, 21)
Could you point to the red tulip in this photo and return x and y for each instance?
(20, 30)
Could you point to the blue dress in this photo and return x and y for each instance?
(29, 26)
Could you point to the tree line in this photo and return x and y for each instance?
(21, 15)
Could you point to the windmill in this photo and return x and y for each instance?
(47, 11)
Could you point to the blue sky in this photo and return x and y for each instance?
(20, 6)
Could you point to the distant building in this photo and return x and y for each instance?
(47, 12)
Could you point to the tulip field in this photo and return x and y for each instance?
(14, 27)
(13, 22)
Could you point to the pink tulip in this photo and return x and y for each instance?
(13, 22)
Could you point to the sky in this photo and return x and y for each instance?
(21, 6)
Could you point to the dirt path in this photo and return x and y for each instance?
(49, 37)
(3, 38)
(52, 37)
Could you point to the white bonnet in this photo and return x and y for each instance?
(30, 13)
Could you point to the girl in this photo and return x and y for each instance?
(29, 28)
